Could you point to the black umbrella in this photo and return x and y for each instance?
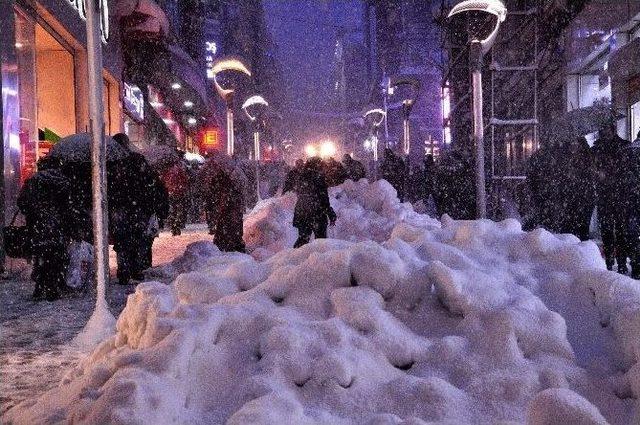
(77, 148)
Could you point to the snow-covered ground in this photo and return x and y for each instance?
(399, 319)
(35, 337)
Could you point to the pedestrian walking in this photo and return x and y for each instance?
(132, 192)
(354, 170)
(613, 205)
(225, 192)
(393, 170)
(45, 201)
(176, 180)
(632, 186)
(291, 179)
(313, 211)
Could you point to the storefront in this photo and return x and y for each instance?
(607, 68)
(44, 82)
(172, 83)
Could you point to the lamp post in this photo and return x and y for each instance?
(254, 108)
(375, 118)
(409, 99)
(480, 45)
(221, 65)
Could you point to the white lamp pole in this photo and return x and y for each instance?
(477, 51)
(253, 107)
(221, 65)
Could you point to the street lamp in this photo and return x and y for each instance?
(254, 108)
(408, 100)
(480, 45)
(375, 118)
(222, 65)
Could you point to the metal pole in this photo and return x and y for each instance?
(475, 54)
(256, 150)
(406, 141)
(230, 137)
(98, 151)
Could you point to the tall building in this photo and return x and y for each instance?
(238, 28)
(403, 40)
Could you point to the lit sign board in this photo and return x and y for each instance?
(211, 48)
(79, 6)
(210, 140)
(133, 101)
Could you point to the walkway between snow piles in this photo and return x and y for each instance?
(35, 337)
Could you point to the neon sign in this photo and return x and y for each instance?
(79, 6)
(211, 48)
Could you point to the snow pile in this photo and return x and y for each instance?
(442, 325)
(366, 211)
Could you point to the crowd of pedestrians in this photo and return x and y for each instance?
(566, 181)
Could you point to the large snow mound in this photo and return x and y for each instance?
(366, 211)
(471, 322)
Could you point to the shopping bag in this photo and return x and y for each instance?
(17, 240)
(80, 272)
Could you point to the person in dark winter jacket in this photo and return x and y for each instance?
(612, 193)
(393, 170)
(225, 191)
(160, 213)
(292, 176)
(334, 172)
(354, 170)
(45, 201)
(633, 217)
(176, 180)
(313, 211)
(454, 191)
(132, 193)
(428, 177)
(561, 183)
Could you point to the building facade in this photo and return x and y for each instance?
(549, 58)
(403, 40)
(44, 81)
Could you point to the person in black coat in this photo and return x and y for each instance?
(292, 177)
(313, 211)
(45, 201)
(354, 170)
(454, 188)
(561, 181)
(633, 218)
(393, 170)
(133, 193)
(612, 195)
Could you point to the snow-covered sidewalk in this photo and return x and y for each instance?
(35, 337)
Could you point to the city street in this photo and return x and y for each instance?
(320, 212)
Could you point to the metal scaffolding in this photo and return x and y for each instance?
(513, 114)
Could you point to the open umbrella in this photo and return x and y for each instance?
(161, 155)
(77, 148)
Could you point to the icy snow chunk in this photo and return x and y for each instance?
(560, 406)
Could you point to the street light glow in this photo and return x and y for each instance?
(188, 104)
(176, 86)
(227, 64)
(328, 149)
(311, 151)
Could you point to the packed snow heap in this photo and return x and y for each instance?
(397, 319)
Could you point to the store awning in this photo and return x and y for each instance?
(142, 19)
(624, 68)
